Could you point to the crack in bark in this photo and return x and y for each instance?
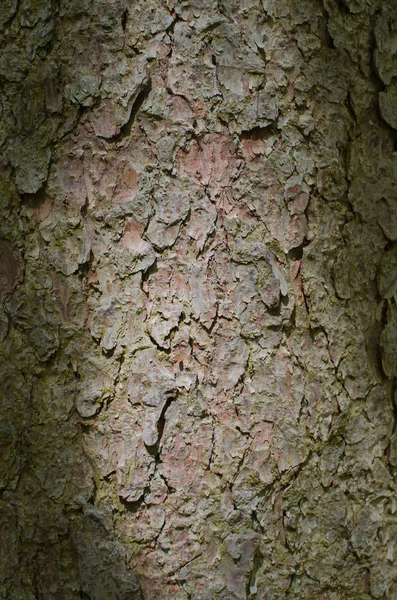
(154, 450)
(251, 587)
(125, 130)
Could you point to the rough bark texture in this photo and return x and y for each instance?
(198, 284)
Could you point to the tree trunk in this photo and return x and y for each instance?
(198, 286)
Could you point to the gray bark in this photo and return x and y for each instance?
(198, 300)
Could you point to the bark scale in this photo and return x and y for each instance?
(198, 323)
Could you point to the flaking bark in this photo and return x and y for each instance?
(198, 288)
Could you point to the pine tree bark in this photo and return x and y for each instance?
(198, 290)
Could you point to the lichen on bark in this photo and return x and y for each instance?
(198, 317)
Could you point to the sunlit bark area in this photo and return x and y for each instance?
(198, 281)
